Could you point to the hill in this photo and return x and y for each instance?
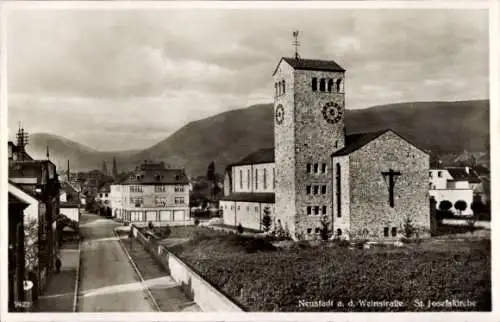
(81, 157)
(443, 127)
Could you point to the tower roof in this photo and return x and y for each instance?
(311, 64)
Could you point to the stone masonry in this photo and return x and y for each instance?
(304, 137)
(370, 212)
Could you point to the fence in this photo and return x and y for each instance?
(208, 298)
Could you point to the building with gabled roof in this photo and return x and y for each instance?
(363, 185)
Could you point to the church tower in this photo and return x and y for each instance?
(309, 106)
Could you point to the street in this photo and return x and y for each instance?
(108, 282)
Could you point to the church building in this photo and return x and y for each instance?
(365, 185)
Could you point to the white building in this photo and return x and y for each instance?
(249, 190)
(69, 202)
(152, 193)
(453, 184)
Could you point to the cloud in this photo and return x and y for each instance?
(101, 76)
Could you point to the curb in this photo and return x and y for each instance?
(77, 279)
(157, 307)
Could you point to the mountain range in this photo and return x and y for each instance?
(440, 127)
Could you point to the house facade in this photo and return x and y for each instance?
(454, 184)
(69, 202)
(152, 193)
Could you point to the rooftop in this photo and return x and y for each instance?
(259, 156)
(312, 64)
(264, 197)
(157, 176)
(356, 141)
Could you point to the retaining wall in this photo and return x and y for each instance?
(208, 298)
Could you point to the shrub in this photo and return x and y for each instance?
(342, 242)
(239, 229)
(150, 225)
(196, 221)
(471, 222)
(408, 228)
(460, 205)
(164, 232)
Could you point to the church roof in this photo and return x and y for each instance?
(259, 156)
(264, 197)
(311, 64)
(356, 141)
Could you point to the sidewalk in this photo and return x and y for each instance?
(166, 292)
(59, 293)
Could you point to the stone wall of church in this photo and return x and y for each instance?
(315, 139)
(284, 150)
(370, 211)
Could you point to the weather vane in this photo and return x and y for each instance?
(296, 43)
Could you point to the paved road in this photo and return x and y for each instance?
(108, 282)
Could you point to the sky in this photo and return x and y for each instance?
(127, 79)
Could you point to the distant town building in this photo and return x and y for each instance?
(362, 185)
(69, 201)
(152, 193)
(454, 184)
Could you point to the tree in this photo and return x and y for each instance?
(115, 169)
(477, 205)
(408, 228)
(211, 172)
(266, 219)
(211, 177)
(104, 168)
(325, 229)
(460, 205)
(445, 205)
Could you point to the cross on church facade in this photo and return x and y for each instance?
(392, 182)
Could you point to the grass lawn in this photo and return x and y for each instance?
(261, 277)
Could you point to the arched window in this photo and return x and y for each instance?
(314, 84)
(284, 91)
(339, 85)
(339, 232)
(275, 89)
(322, 85)
(330, 85)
